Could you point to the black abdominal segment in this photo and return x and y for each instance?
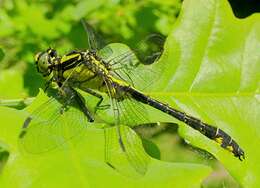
(209, 131)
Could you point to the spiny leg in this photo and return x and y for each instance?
(47, 84)
(100, 97)
(82, 105)
(74, 94)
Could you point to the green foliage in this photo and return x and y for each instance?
(1, 54)
(211, 63)
(213, 73)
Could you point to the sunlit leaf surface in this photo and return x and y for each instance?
(211, 71)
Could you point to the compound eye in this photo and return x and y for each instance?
(52, 53)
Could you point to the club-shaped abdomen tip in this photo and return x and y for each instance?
(241, 154)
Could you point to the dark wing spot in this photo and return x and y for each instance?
(25, 125)
(26, 122)
(21, 135)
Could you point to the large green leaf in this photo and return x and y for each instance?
(212, 73)
(81, 162)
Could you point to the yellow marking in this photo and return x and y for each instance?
(230, 148)
(99, 65)
(36, 57)
(49, 51)
(118, 81)
(106, 72)
(219, 140)
(80, 73)
(52, 59)
(67, 57)
(79, 69)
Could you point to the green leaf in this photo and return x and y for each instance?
(81, 162)
(2, 54)
(212, 73)
(211, 65)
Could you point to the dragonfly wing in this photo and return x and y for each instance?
(132, 161)
(123, 142)
(95, 41)
(92, 39)
(132, 112)
(137, 66)
(50, 126)
(105, 52)
(130, 69)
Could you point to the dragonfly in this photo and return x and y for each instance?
(96, 72)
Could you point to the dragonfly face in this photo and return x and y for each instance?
(45, 61)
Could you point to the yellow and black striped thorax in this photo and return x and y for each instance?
(85, 69)
(87, 58)
(49, 61)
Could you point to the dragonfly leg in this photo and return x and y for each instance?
(47, 84)
(83, 107)
(72, 93)
(98, 105)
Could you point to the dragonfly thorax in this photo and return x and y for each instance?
(94, 63)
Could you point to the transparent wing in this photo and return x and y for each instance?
(134, 159)
(132, 113)
(95, 41)
(130, 65)
(136, 66)
(50, 126)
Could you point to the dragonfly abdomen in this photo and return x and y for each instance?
(209, 131)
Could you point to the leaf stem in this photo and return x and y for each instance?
(17, 103)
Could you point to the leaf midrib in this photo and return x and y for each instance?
(209, 40)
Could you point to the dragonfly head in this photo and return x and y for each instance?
(45, 61)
